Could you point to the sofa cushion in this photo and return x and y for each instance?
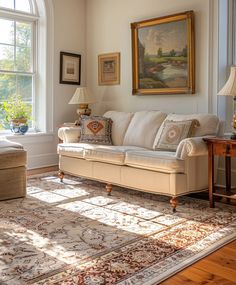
(162, 161)
(120, 123)
(174, 132)
(71, 149)
(108, 154)
(208, 124)
(143, 128)
(96, 130)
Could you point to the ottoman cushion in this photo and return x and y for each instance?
(12, 157)
(12, 170)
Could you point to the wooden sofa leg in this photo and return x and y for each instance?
(173, 202)
(109, 189)
(61, 175)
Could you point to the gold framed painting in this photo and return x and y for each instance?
(163, 55)
(109, 69)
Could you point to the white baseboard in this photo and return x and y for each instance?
(42, 160)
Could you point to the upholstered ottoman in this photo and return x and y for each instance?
(12, 170)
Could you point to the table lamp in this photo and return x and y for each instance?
(82, 98)
(229, 89)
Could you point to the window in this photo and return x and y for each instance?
(17, 51)
(20, 5)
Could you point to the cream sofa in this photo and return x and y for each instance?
(132, 160)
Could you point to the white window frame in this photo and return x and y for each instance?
(32, 18)
(225, 54)
(43, 15)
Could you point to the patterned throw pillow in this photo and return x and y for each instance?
(96, 130)
(174, 132)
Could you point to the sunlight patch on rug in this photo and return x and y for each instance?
(73, 233)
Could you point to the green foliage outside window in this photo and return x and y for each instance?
(16, 67)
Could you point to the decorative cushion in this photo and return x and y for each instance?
(208, 124)
(174, 132)
(96, 130)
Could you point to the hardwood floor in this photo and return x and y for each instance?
(218, 268)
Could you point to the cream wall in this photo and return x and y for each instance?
(108, 30)
(69, 36)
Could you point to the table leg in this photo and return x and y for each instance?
(211, 175)
(228, 176)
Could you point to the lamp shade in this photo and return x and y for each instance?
(229, 89)
(81, 96)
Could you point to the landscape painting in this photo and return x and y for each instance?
(163, 55)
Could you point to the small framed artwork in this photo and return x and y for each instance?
(109, 69)
(70, 67)
(163, 55)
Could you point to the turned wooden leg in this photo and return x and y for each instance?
(61, 175)
(109, 189)
(173, 202)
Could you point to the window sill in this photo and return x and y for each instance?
(29, 137)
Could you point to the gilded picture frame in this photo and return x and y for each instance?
(70, 68)
(163, 55)
(109, 69)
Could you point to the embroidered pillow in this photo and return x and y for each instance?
(96, 130)
(174, 132)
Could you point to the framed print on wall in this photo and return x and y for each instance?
(163, 55)
(109, 69)
(70, 67)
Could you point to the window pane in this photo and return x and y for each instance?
(7, 4)
(7, 85)
(6, 57)
(24, 87)
(23, 59)
(23, 5)
(23, 34)
(7, 32)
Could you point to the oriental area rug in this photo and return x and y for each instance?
(73, 233)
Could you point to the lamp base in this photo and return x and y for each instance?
(83, 110)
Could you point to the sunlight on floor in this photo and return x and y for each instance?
(112, 212)
(71, 190)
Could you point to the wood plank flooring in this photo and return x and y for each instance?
(218, 268)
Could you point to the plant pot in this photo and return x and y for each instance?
(19, 126)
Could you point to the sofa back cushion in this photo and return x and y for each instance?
(208, 124)
(143, 128)
(120, 124)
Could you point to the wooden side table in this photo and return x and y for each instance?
(222, 146)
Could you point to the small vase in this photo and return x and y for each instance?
(19, 126)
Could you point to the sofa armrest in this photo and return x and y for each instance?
(69, 134)
(194, 146)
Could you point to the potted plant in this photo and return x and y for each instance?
(16, 114)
